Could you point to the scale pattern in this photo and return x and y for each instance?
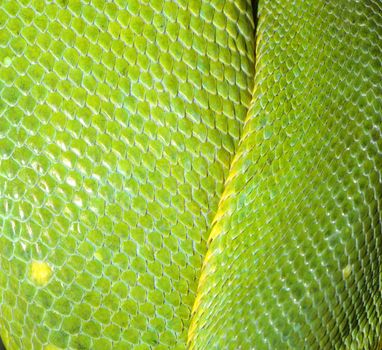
(294, 257)
(118, 122)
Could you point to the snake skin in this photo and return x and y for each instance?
(118, 123)
(295, 252)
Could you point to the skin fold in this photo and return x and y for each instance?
(294, 257)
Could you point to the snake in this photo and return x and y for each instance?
(190, 174)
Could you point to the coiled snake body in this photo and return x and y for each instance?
(172, 176)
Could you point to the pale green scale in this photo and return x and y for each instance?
(118, 122)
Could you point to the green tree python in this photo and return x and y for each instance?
(202, 174)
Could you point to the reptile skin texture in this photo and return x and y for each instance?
(294, 260)
(202, 174)
(119, 120)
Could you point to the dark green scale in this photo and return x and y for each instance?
(294, 260)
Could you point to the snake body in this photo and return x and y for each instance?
(190, 173)
(295, 255)
(119, 120)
